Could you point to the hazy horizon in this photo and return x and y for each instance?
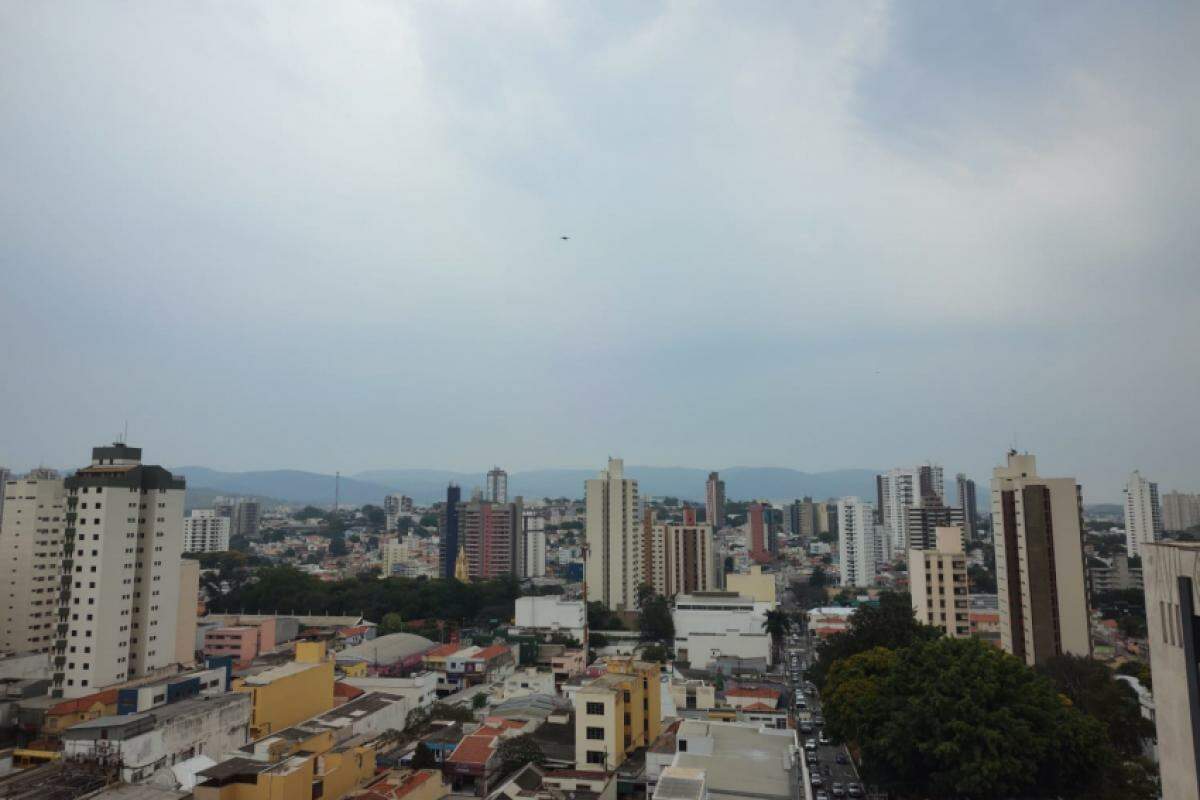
(290, 236)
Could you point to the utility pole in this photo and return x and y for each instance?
(586, 631)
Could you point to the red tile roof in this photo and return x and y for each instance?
(488, 653)
(355, 631)
(575, 773)
(758, 707)
(474, 749)
(386, 790)
(108, 697)
(753, 691)
(443, 650)
(346, 690)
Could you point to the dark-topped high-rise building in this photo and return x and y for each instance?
(118, 611)
(448, 539)
(922, 522)
(966, 501)
(714, 501)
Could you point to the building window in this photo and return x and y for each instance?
(595, 708)
(595, 733)
(595, 756)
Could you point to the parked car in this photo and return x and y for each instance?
(838, 790)
(841, 758)
(816, 781)
(855, 790)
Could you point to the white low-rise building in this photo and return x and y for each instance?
(714, 625)
(148, 744)
(419, 690)
(527, 681)
(551, 613)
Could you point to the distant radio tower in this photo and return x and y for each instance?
(337, 491)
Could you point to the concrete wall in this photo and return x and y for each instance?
(210, 728)
(1175, 701)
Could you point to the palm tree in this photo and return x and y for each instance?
(777, 624)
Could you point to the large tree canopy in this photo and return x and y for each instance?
(954, 718)
(891, 624)
(288, 590)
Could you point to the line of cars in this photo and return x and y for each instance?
(811, 724)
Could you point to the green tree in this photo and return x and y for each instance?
(656, 652)
(952, 718)
(982, 581)
(519, 751)
(601, 619)
(337, 545)
(777, 624)
(890, 624)
(1136, 669)
(654, 616)
(479, 700)
(376, 517)
(391, 623)
(423, 758)
(818, 579)
(310, 512)
(1091, 687)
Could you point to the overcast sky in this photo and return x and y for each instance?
(327, 236)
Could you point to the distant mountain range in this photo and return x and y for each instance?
(429, 485)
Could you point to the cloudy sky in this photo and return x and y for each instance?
(327, 236)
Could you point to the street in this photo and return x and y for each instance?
(798, 653)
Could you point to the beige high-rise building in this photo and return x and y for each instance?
(714, 501)
(1039, 562)
(120, 572)
(938, 582)
(185, 620)
(616, 557)
(1172, 572)
(682, 559)
(31, 542)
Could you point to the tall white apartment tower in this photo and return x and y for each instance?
(531, 545)
(205, 532)
(857, 545)
(31, 542)
(614, 538)
(1143, 514)
(120, 572)
(1038, 534)
(497, 486)
(904, 488)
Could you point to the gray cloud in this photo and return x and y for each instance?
(275, 235)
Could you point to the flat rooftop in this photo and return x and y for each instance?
(282, 671)
(746, 762)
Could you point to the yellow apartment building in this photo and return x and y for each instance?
(291, 693)
(617, 713)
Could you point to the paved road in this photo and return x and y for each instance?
(800, 652)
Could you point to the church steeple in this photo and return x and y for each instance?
(462, 570)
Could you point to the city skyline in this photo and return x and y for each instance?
(982, 213)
